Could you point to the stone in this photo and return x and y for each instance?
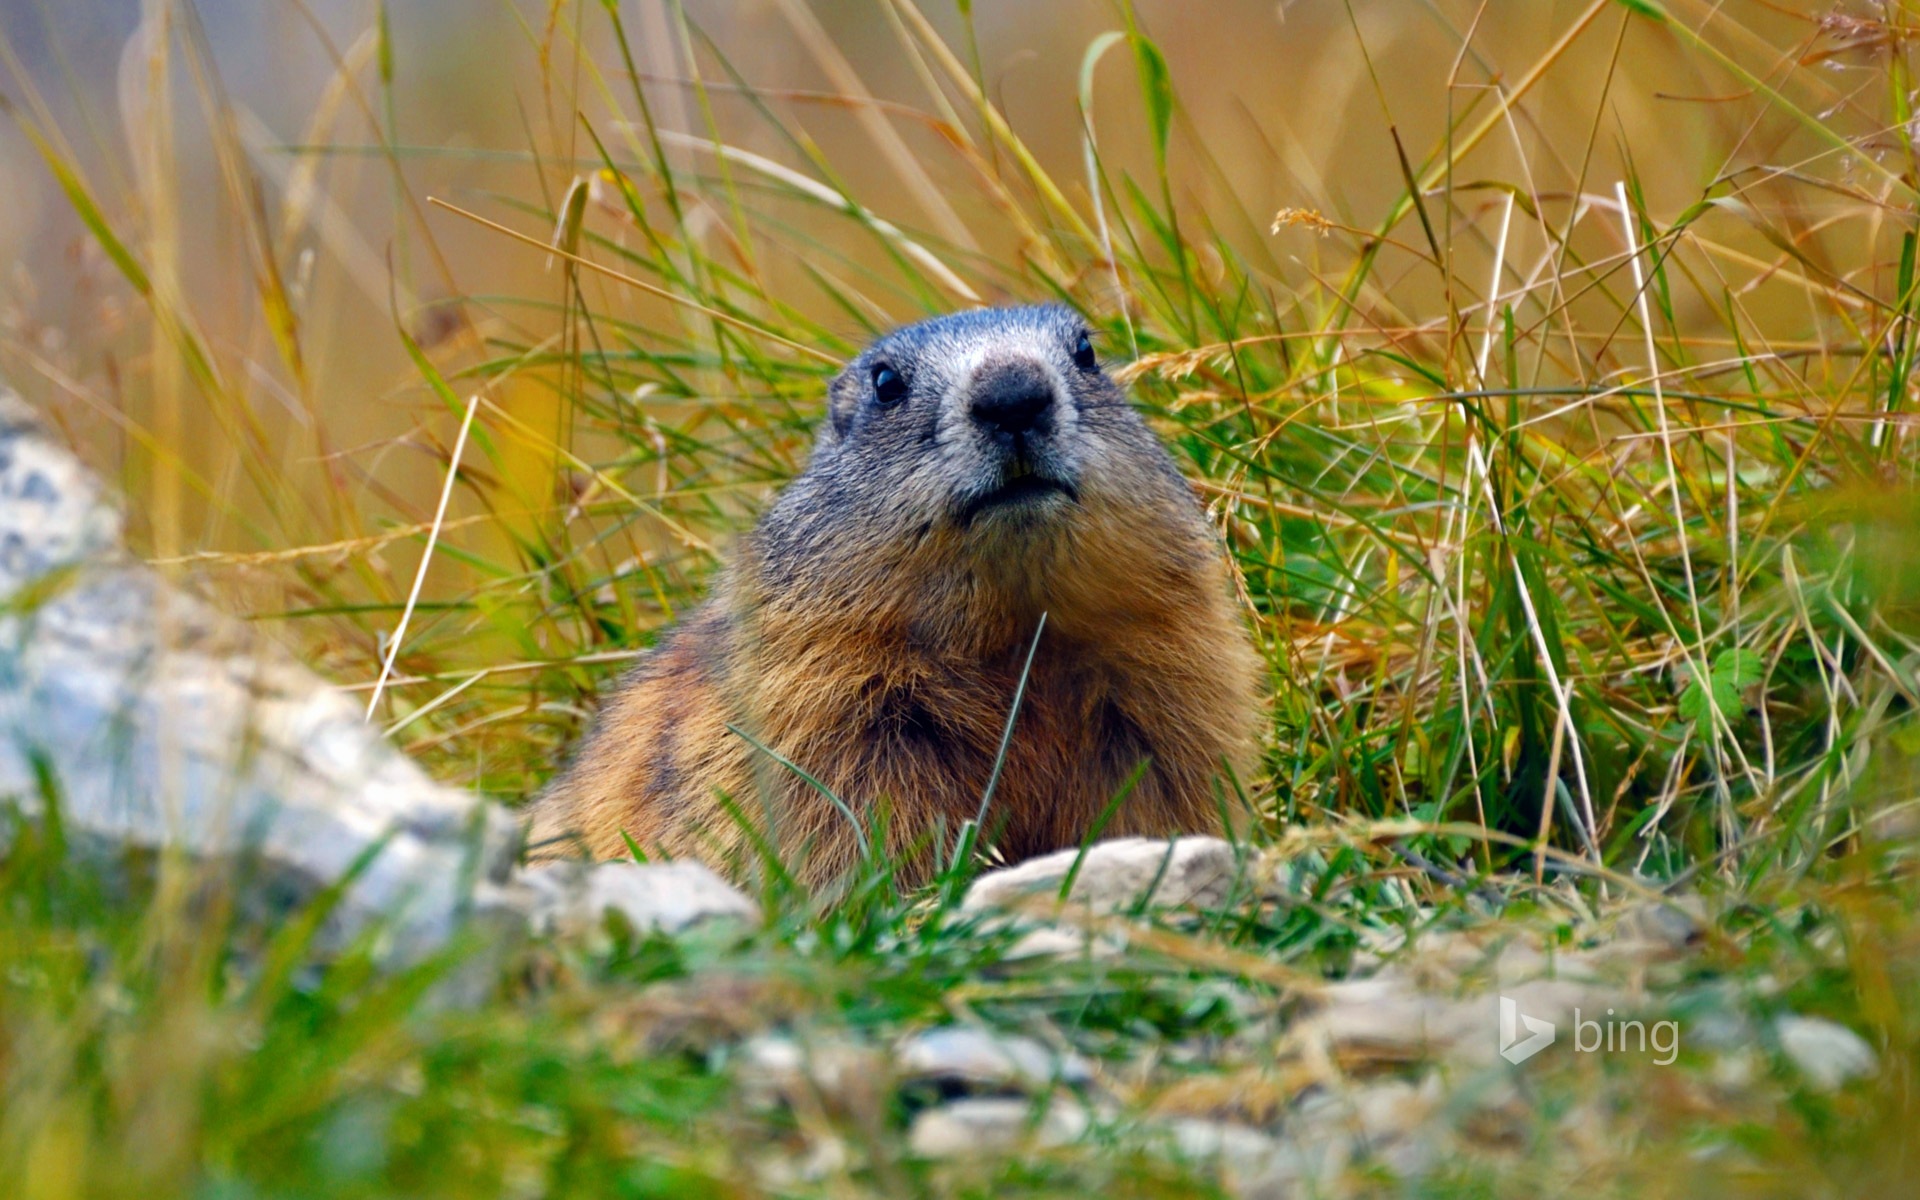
(1389, 1122)
(1065, 941)
(158, 724)
(1387, 1019)
(1671, 925)
(1396, 1025)
(1829, 1054)
(1734, 1071)
(821, 1157)
(829, 1070)
(574, 899)
(1117, 876)
(997, 1125)
(964, 1058)
(1252, 1165)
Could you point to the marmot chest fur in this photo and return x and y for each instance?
(974, 472)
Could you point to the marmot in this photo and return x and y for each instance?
(972, 473)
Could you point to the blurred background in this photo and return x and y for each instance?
(345, 116)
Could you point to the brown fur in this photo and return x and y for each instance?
(889, 678)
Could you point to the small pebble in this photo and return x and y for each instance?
(1828, 1054)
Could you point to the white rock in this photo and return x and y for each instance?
(1734, 1071)
(979, 1059)
(981, 1125)
(52, 511)
(1828, 1054)
(1251, 1164)
(1381, 1112)
(573, 899)
(1673, 923)
(1116, 876)
(1065, 941)
(1385, 1023)
(779, 1069)
(822, 1156)
(1721, 1028)
(164, 724)
(1388, 1019)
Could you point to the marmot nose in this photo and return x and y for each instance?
(1015, 398)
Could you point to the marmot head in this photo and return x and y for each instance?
(972, 455)
(993, 421)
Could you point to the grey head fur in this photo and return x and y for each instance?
(995, 427)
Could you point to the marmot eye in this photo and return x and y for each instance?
(888, 387)
(1083, 354)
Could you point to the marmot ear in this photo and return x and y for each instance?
(843, 400)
